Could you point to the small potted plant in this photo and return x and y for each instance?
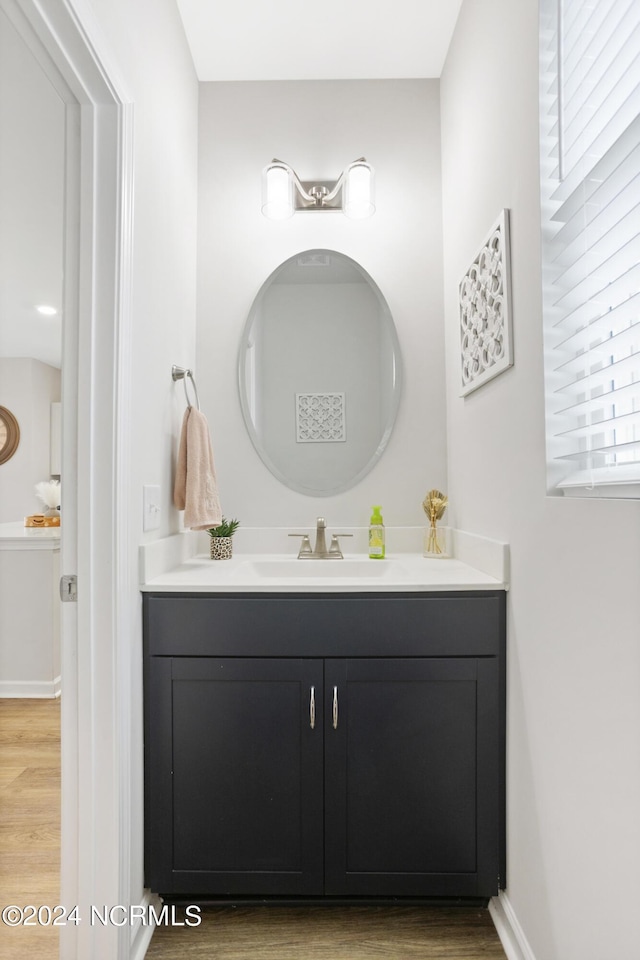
(221, 542)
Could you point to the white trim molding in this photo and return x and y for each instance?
(141, 933)
(30, 689)
(96, 708)
(515, 944)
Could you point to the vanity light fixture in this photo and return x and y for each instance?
(283, 192)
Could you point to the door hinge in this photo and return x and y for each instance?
(69, 588)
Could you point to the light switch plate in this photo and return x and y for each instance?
(151, 507)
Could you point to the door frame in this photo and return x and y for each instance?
(96, 388)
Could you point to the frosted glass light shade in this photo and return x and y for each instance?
(358, 191)
(277, 192)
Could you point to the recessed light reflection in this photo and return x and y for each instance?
(46, 310)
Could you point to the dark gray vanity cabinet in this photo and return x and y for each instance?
(234, 778)
(411, 777)
(338, 746)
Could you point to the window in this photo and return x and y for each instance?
(590, 194)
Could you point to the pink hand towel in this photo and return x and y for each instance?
(196, 488)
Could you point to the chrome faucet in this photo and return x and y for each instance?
(320, 551)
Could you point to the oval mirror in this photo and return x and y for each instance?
(319, 373)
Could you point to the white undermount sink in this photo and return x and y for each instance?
(313, 569)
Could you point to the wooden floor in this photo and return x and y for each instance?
(30, 866)
(29, 821)
(332, 933)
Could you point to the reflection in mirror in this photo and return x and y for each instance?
(319, 373)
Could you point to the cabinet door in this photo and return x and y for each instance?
(412, 777)
(235, 767)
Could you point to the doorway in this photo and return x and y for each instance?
(96, 801)
(33, 144)
(32, 201)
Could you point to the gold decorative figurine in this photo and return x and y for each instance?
(434, 505)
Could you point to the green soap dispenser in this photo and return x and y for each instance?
(376, 535)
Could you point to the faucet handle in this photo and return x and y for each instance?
(305, 546)
(334, 549)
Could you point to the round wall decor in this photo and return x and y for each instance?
(9, 434)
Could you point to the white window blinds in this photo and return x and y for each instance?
(590, 180)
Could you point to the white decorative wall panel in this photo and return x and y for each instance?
(320, 418)
(485, 311)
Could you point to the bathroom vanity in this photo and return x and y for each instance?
(324, 742)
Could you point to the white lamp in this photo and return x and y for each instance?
(277, 191)
(358, 191)
(283, 193)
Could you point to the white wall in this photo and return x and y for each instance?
(148, 48)
(32, 153)
(573, 791)
(161, 82)
(319, 127)
(27, 389)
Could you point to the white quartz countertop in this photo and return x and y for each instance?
(269, 573)
(15, 536)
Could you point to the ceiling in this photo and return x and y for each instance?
(334, 40)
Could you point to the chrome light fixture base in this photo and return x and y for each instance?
(283, 193)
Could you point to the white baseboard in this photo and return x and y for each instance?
(57, 686)
(25, 689)
(142, 933)
(515, 944)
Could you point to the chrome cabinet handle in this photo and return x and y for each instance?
(335, 708)
(312, 708)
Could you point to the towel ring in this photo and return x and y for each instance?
(179, 373)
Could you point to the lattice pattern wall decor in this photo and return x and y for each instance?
(320, 418)
(485, 311)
